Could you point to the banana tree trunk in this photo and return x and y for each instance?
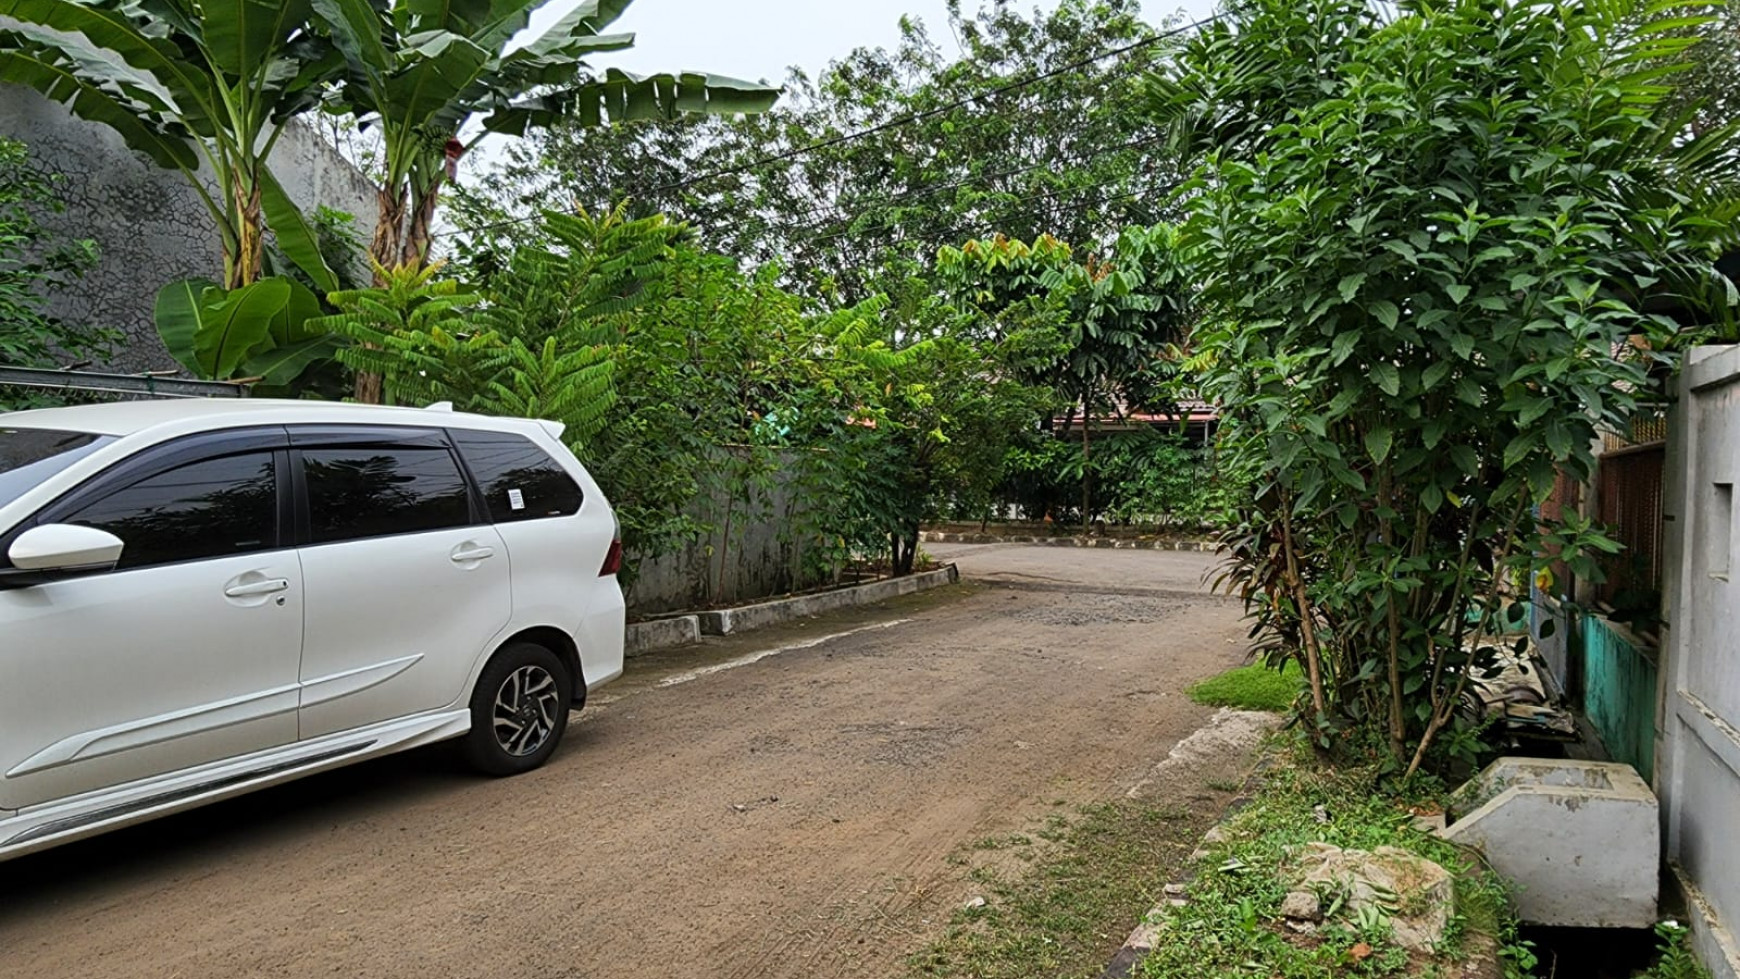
(415, 249)
(245, 264)
(385, 249)
(388, 245)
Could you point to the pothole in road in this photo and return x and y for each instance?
(1085, 610)
(905, 744)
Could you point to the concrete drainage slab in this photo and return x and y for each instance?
(1579, 840)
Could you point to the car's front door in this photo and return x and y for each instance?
(407, 581)
(186, 653)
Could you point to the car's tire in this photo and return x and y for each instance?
(519, 710)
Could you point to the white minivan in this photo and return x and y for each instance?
(203, 598)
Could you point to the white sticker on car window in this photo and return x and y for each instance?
(516, 500)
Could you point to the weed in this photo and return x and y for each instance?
(1232, 924)
(1251, 688)
(1067, 911)
(1676, 960)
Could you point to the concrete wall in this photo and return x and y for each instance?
(151, 226)
(1698, 698)
(761, 555)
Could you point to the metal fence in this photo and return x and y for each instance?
(1628, 499)
(28, 385)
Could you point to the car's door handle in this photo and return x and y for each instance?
(255, 589)
(467, 553)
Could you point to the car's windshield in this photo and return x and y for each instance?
(30, 455)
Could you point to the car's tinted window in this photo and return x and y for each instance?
(520, 480)
(215, 508)
(375, 491)
(30, 455)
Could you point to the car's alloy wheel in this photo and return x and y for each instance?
(525, 711)
(519, 710)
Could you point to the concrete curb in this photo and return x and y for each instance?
(1109, 543)
(725, 622)
(645, 637)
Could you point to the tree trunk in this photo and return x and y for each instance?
(384, 251)
(1086, 476)
(244, 267)
(415, 249)
(388, 244)
(905, 543)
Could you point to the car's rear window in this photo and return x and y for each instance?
(520, 480)
(30, 455)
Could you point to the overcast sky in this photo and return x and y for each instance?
(758, 39)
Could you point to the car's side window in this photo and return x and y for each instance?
(518, 479)
(380, 491)
(209, 509)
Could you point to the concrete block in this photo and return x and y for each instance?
(1580, 840)
(645, 637)
(724, 622)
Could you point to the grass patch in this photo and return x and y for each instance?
(1251, 688)
(1231, 927)
(1067, 913)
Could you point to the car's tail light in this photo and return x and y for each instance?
(612, 560)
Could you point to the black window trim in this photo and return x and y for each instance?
(373, 437)
(157, 459)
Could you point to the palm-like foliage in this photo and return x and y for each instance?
(421, 71)
(187, 83)
(412, 332)
(587, 271)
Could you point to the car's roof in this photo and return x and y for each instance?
(133, 417)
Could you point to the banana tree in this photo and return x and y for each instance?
(422, 70)
(197, 86)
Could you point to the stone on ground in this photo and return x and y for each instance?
(1415, 894)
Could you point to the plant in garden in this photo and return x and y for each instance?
(31, 265)
(188, 84)
(942, 407)
(1426, 240)
(1067, 153)
(1117, 314)
(420, 72)
(413, 331)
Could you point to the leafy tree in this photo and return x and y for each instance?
(1709, 85)
(188, 84)
(940, 410)
(1118, 315)
(420, 72)
(1065, 152)
(1426, 243)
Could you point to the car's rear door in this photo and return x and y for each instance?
(407, 581)
(185, 654)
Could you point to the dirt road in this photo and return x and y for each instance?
(791, 816)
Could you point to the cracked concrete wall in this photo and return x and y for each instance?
(148, 222)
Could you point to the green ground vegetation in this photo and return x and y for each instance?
(1059, 900)
(1254, 687)
(1232, 927)
(1677, 960)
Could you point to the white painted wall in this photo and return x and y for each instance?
(1698, 720)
